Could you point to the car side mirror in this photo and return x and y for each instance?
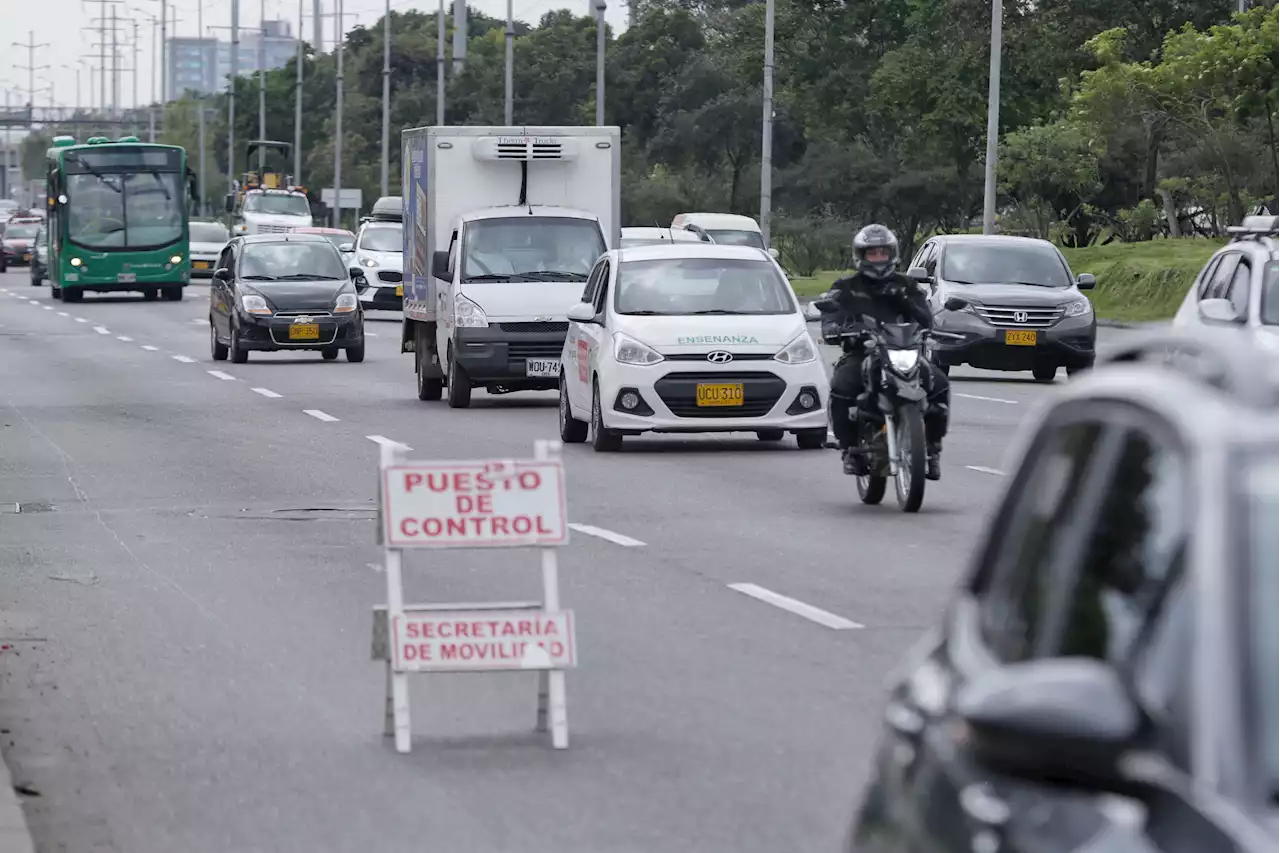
(955, 303)
(1219, 311)
(773, 253)
(355, 273)
(812, 312)
(1052, 719)
(222, 274)
(347, 247)
(1086, 281)
(440, 266)
(825, 306)
(919, 275)
(584, 312)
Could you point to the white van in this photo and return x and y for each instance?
(727, 229)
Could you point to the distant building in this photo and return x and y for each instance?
(204, 64)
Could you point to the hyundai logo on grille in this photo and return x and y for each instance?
(719, 357)
(1019, 316)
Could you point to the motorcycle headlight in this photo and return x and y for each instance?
(468, 314)
(800, 351)
(627, 350)
(346, 303)
(1079, 308)
(904, 360)
(254, 304)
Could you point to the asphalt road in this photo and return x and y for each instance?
(193, 666)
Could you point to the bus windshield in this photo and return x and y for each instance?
(125, 211)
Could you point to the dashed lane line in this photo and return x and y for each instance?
(184, 359)
(982, 469)
(319, 415)
(81, 320)
(266, 392)
(149, 348)
(987, 399)
(608, 535)
(218, 374)
(102, 330)
(125, 338)
(799, 608)
(387, 442)
(63, 314)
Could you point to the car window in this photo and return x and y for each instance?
(931, 259)
(1270, 308)
(602, 293)
(1013, 578)
(1135, 538)
(1004, 263)
(593, 282)
(1238, 288)
(209, 232)
(685, 286)
(1206, 277)
(1259, 541)
(737, 237)
(265, 262)
(1222, 276)
(382, 238)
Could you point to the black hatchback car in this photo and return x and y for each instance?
(1106, 678)
(275, 292)
(1014, 305)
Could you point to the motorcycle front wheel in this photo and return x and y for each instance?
(910, 478)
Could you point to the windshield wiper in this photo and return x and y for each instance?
(552, 275)
(156, 174)
(646, 313)
(493, 276)
(258, 278)
(307, 276)
(715, 311)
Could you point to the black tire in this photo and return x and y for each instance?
(429, 387)
(771, 434)
(330, 354)
(603, 439)
(35, 278)
(55, 291)
(1076, 371)
(216, 349)
(1044, 374)
(912, 458)
(355, 354)
(239, 355)
(572, 430)
(459, 385)
(811, 439)
(871, 488)
(151, 294)
(75, 294)
(174, 294)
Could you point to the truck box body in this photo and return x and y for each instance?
(452, 171)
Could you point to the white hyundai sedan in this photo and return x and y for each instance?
(690, 337)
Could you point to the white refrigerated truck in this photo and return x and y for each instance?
(502, 226)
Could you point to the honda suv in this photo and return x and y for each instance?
(1006, 303)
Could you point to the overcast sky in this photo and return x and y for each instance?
(63, 45)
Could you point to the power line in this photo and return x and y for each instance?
(32, 68)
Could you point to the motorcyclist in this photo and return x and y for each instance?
(877, 290)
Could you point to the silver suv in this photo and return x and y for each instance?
(1237, 289)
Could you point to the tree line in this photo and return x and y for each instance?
(1118, 120)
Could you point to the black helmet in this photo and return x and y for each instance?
(875, 237)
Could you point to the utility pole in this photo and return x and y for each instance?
(440, 66)
(459, 34)
(766, 139)
(297, 104)
(200, 95)
(262, 85)
(386, 96)
(317, 27)
(993, 121)
(32, 68)
(337, 140)
(231, 94)
(135, 65)
(600, 7)
(509, 108)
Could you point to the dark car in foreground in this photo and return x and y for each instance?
(1021, 308)
(1105, 679)
(274, 292)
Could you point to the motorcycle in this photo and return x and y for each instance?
(889, 417)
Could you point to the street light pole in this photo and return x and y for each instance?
(231, 95)
(600, 7)
(337, 141)
(386, 96)
(766, 138)
(440, 66)
(262, 87)
(993, 121)
(200, 197)
(508, 111)
(297, 107)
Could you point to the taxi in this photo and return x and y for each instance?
(19, 239)
(690, 338)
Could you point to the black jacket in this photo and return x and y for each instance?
(896, 300)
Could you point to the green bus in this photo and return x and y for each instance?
(118, 214)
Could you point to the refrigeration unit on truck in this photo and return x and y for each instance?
(502, 226)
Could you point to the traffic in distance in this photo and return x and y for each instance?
(1078, 636)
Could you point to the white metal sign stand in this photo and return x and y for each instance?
(474, 504)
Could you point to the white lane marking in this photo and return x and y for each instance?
(808, 611)
(149, 348)
(102, 330)
(383, 440)
(184, 359)
(266, 392)
(988, 399)
(47, 307)
(63, 314)
(982, 469)
(81, 320)
(372, 334)
(218, 374)
(202, 322)
(125, 338)
(319, 415)
(601, 533)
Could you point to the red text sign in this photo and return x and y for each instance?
(474, 504)
(483, 640)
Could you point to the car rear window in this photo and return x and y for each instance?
(1004, 263)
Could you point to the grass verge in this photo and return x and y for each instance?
(1137, 282)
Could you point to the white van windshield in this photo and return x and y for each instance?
(737, 238)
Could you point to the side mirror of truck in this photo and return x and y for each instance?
(440, 266)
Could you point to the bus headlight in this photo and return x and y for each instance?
(75, 262)
(176, 259)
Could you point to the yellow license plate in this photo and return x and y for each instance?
(200, 265)
(399, 290)
(727, 394)
(1020, 337)
(304, 332)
